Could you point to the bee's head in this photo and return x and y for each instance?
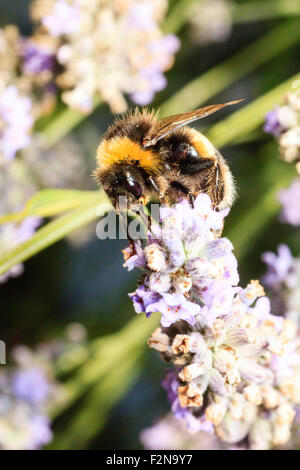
(125, 185)
(125, 169)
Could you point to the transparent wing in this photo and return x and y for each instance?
(169, 124)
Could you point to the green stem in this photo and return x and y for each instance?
(178, 15)
(220, 77)
(264, 10)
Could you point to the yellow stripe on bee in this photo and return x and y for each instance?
(123, 149)
(201, 143)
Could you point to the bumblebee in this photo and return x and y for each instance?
(147, 159)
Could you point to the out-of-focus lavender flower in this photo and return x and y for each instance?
(41, 432)
(284, 123)
(15, 114)
(27, 82)
(64, 19)
(24, 395)
(272, 124)
(170, 434)
(210, 21)
(162, 52)
(223, 340)
(283, 280)
(290, 200)
(37, 59)
(278, 266)
(31, 385)
(140, 16)
(22, 428)
(28, 389)
(110, 48)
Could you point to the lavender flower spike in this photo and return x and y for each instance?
(290, 200)
(229, 351)
(284, 123)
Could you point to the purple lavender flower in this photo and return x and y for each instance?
(221, 338)
(162, 52)
(64, 19)
(15, 111)
(262, 311)
(170, 434)
(174, 307)
(27, 228)
(142, 298)
(142, 98)
(197, 220)
(24, 397)
(31, 385)
(36, 58)
(171, 384)
(218, 298)
(272, 124)
(283, 366)
(134, 257)
(140, 16)
(278, 265)
(290, 200)
(41, 432)
(157, 82)
(165, 48)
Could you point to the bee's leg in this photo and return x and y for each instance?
(124, 227)
(179, 187)
(192, 200)
(164, 200)
(154, 186)
(146, 218)
(184, 190)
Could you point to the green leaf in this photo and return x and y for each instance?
(49, 202)
(55, 230)
(178, 15)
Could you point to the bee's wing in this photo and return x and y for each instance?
(169, 124)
